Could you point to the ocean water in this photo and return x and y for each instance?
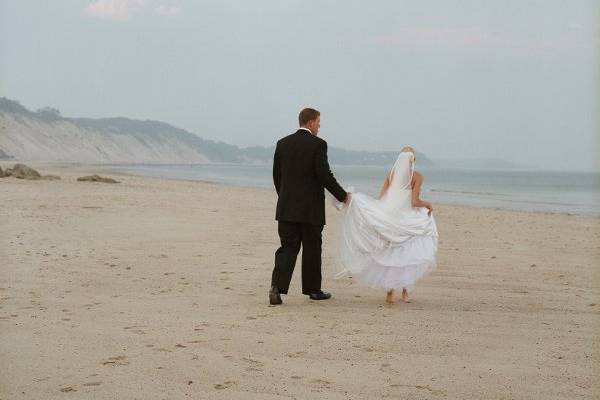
(538, 191)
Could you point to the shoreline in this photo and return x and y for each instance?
(111, 169)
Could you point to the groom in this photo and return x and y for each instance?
(300, 173)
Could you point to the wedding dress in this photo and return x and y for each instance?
(386, 242)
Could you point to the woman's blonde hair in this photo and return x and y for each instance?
(407, 149)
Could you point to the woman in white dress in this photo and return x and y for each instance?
(390, 242)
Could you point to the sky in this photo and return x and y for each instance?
(515, 79)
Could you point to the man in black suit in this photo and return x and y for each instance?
(300, 174)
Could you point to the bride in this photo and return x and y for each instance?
(390, 242)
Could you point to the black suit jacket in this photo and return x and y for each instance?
(300, 174)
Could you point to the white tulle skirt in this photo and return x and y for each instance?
(385, 244)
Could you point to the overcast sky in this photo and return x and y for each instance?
(517, 80)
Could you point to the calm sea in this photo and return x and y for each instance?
(540, 191)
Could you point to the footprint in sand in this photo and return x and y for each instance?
(67, 389)
(421, 387)
(130, 327)
(163, 349)
(297, 354)
(224, 385)
(321, 382)
(92, 384)
(117, 360)
(254, 365)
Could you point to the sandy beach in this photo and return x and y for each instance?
(157, 289)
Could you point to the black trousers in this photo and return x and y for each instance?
(292, 235)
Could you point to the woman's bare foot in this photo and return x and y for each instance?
(390, 297)
(405, 296)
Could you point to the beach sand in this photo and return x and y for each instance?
(157, 289)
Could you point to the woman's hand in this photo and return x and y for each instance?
(428, 206)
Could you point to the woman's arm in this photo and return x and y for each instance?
(386, 185)
(416, 191)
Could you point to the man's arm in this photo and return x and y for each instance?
(324, 174)
(276, 169)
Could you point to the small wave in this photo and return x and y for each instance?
(467, 192)
(509, 199)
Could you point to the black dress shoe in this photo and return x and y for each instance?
(274, 296)
(319, 295)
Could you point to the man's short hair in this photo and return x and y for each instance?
(308, 114)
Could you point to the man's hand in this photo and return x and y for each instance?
(348, 196)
